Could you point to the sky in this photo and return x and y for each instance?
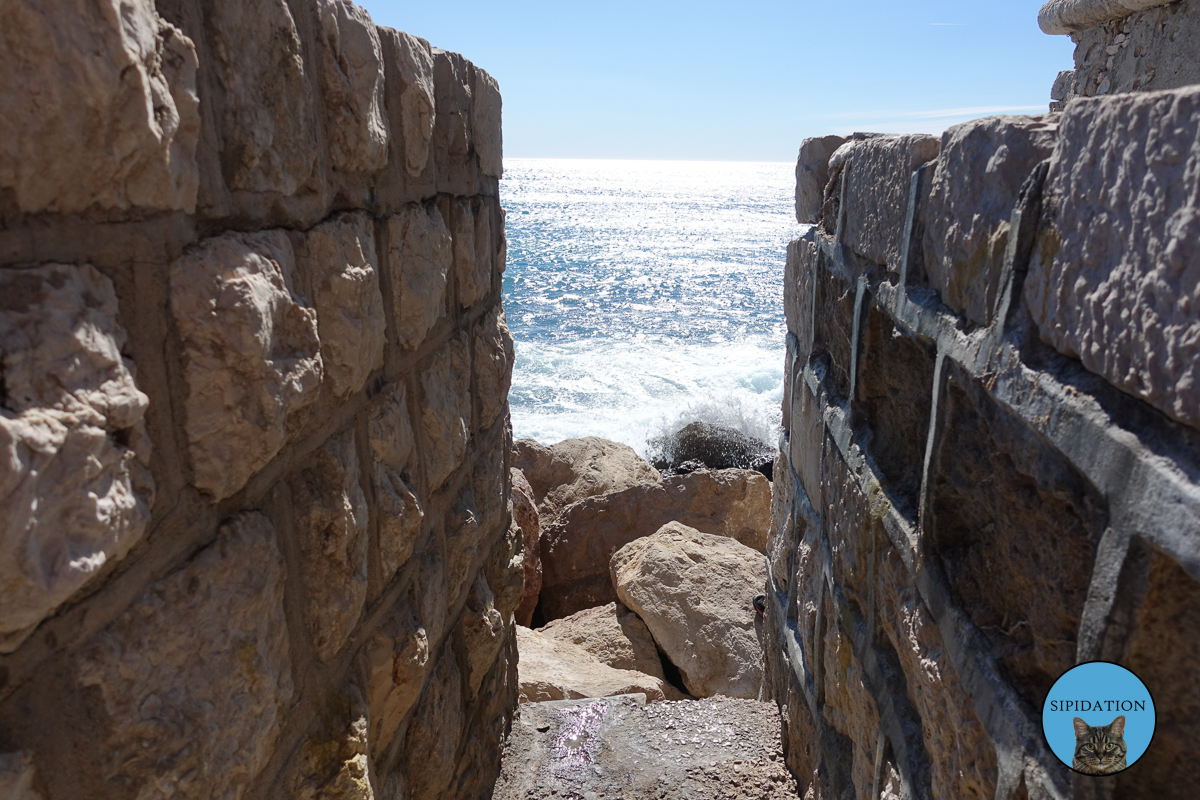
(738, 81)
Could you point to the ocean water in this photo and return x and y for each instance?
(644, 295)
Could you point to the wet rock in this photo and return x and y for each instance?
(575, 469)
(713, 446)
(525, 516)
(552, 669)
(352, 77)
(812, 174)
(695, 592)
(419, 258)
(611, 633)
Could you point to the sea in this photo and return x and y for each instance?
(645, 295)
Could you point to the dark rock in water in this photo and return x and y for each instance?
(713, 447)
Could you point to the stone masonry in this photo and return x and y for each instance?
(255, 535)
(990, 468)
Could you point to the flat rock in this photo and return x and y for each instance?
(551, 669)
(573, 469)
(611, 633)
(695, 592)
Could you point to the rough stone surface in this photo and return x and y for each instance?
(525, 517)
(812, 174)
(435, 732)
(73, 495)
(333, 762)
(1069, 16)
(392, 446)
(396, 663)
(483, 632)
(352, 77)
(417, 106)
(252, 353)
(349, 306)
(419, 258)
(446, 409)
(713, 446)
(695, 591)
(575, 469)
(611, 633)
(113, 124)
(493, 367)
(485, 120)
(577, 545)
(195, 676)
(553, 669)
(16, 776)
(974, 189)
(1112, 281)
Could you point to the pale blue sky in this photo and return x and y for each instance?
(746, 81)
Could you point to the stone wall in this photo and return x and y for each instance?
(990, 469)
(254, 436)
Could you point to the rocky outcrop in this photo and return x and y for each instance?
(695, 592)
(578, 543)
(812, 173)
(611, 633)
(702, 445)
(525, 517)
(553, 669)
(255, 538)
(575, 469)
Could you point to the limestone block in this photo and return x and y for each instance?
(551, 669)
(483, 632)
(419, 259)
(799, 283)
(1113, 280)
(252, 353)
(979, 174)
(75, 490)
(268, 127)
(195, 675)
(695, 592)
(782, 538)
(417, 106)
(400, 513)
(333, 762)
(575, 469)
(812, 174)
(485, 120)
(525, 517)
(396, 661)
(352, 77)
(1147, 51)
(849, 707)
(462, 225)
(452, 84)
(849, 528)
(462, 544)
(485, 248)
(1068, 16)
(505, 571)
(100, 108)
(611, 633)
(489, 484)
(877, 172)
(16, 777)
(435, 732)
(331, 528)
(493, 366)
(350, 319)
(446, 409)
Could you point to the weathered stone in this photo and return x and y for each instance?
(252, 353)
(485, 120)
(876, 174)
(331, 528)
(485, 250)
(611, 633)
(435, 732)
(799, 283)
(483, 632)
(695, 592)
(396, 662)
(493, 366)
(709, 445)
(16, 777)
(505, 571)
(196, 675)
(75, 490)
(333, 762)
(577, 468)
(812, 174)
(454, 137)
(848, 706)
(1112, 281)
(268, 128)
(551, 669)
(783, 535)
(100, 108)
(392, 446)
(413, 59)
(1069, 16)
(419, 259)
(463, 535)
(446, 409)
(471, 284)
(488, 480)
(979, 174)
(577, 545)
(525, 517)
(352, 76)
(349, 305)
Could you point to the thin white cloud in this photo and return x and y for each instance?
(948, 24)
(940, 113)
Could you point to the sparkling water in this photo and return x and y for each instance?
(644, 295)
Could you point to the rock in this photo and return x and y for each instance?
(446, 409)
(395, 660)
(463, 534)
(1112, 280)
(390, 433)
(714, 446)
(345, 280)
(333, 760)
(493, 366)
(525, 517)
(472, 267)
(975, 184)
(352, 77)
(611, 633)
(100, 108)
(330, 514)
(577, 468)
(252, 353)
(435, 732)
(485, 120)
(812, 174)
(799, 285)
(75, 488)
(201, 657)
(489, 482)
(413, 59)
(577, 545)
(695, 593)
(551, 669)
(1069, 16)
(483, 632)
(505, 571)
(268, 128)
(876, 173)
(419, 258)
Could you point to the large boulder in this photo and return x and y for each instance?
(525, 515)
(549, 669)
(611, 633)
(573, 469)
(695, 592)
(578, 543)
(713, 446)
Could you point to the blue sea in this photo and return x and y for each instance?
(644, 295)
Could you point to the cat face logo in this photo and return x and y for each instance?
(1100, 749)
(1098, 718)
